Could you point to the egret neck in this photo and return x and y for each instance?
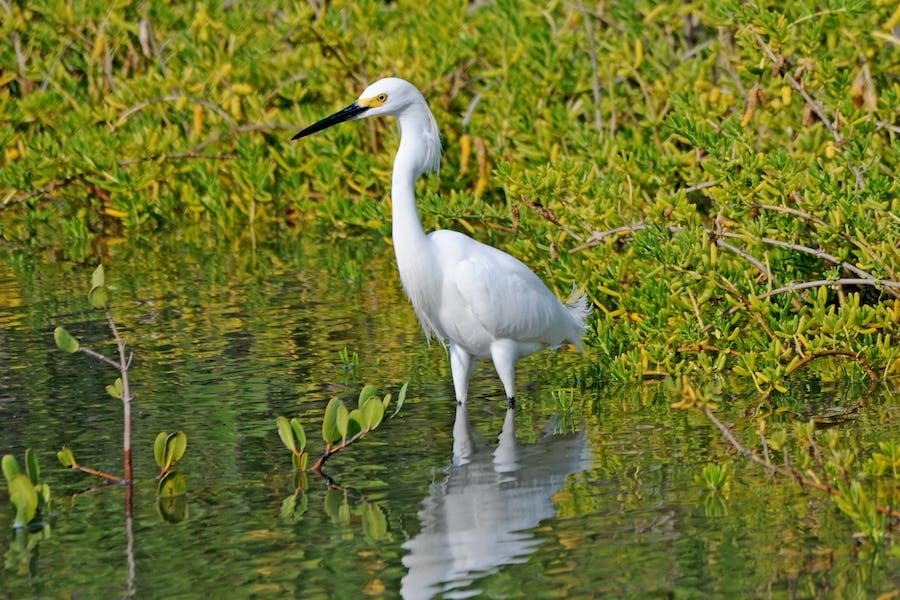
(419, 151)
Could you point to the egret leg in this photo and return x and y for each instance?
(504, 355)
(461, 367)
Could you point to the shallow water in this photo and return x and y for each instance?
(599, 502)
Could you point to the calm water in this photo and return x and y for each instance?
(437, 502)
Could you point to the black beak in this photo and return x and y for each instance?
(352, 111)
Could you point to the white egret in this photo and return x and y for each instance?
(482, 302)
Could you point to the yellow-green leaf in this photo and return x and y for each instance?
(64, 340)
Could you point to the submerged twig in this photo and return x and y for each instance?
(784, 471)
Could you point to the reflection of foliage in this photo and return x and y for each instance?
(564, 401)
(371, 517)
(824, 461)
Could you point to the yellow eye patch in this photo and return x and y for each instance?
(374, 101)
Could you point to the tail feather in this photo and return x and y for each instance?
(579, 308)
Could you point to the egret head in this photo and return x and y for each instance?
(390, 96)
(395, 97)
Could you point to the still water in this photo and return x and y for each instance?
(599, 500)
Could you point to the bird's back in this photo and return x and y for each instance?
(489, 295)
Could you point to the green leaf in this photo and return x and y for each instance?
(43, 493)
(286, 433)
(300, 460)
(24, 498)
(342, 421)
(401, 398)
(330, 431)
(31, 466)
(112, 391)
(334, 498)
(173, 509)
(367, 392)
(10, 467)
(357, 422)
(288, 505)
(159, 449)
(293, 507)
(373, 413)
(66, 458)
(65, 341)
(97, 297)
(98, 278)
(171, 485)
(176, 444)
(299, 434)
(374, 522)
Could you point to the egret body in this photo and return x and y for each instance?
(480, 301)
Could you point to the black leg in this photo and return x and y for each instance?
(511, 402)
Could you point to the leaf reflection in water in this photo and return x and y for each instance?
(482, 516)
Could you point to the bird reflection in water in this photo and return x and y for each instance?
(483, 515)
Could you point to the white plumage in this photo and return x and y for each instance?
(482, 302)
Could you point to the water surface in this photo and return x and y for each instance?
(437, 502)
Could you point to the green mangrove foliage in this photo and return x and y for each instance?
(167, 448)
(119, 389)
(341, 426)
(29, 497)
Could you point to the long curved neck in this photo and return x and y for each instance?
(419, 151)
(406, 227)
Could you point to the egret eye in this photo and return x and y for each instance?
(382, 98)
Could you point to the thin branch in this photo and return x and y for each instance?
(470, 110)
(174, 98)
(58, 183)
(746, 256)
(90, 471)
(836, 352)
(820, 112)
(244, 129)
(332, 451)
(549, 215)
(792, 211)
(796, 287)
(176, 156)
(44, 189)
(99, 357)
(814, 219)
(595, 77)
(701, 186)
(597, 237)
